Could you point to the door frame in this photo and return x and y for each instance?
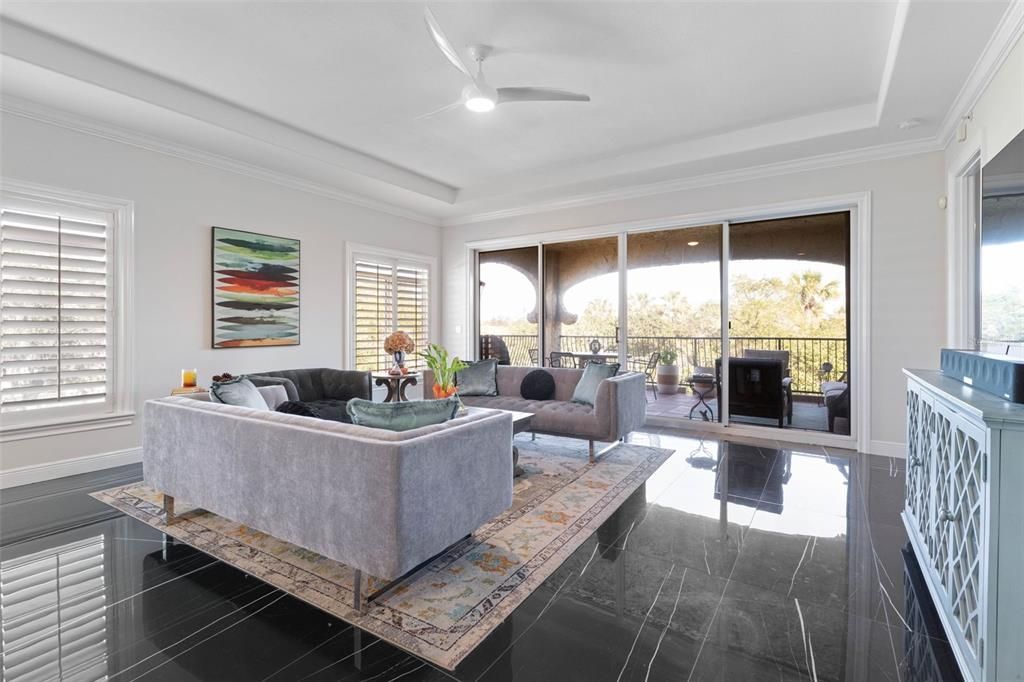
(858, 204)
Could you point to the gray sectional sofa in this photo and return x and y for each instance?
(620, 407)
(379, 501)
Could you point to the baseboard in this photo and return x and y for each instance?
(46, 471)
(888, 448)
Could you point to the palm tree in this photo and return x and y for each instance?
(812, 292)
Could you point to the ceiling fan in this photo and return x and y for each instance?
(478, 95)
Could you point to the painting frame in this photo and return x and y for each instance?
(249, 312)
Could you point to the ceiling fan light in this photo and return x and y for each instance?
(480, 104)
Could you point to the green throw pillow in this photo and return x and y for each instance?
(479, 378)
(401, 416)
(239, 392)
(593, 375)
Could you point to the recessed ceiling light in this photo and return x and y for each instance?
(800, 253)
(692, 243)
(909, 123)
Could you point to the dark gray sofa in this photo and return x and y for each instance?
(326, 391)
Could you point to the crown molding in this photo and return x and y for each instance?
(1002, 42)
(44, 50)
(34, 111)
(811, 163)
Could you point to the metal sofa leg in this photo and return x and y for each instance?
(533, 435)
(169, 516)
(358, 603)
(590, 449)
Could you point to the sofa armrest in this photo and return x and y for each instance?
(260, 381)
(345, 384)
(621, 404)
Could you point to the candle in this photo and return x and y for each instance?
(188, 378)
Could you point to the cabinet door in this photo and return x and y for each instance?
(941, 502)
(918, 492)
(966, 532)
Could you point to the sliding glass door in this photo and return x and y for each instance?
(674, 318)
(788, 303)
(656, 301)
(508, 305)
(581, 302)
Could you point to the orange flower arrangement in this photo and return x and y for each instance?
(399, 342)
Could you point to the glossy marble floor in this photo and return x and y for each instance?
(735, 561)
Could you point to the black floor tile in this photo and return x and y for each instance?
(734, 561)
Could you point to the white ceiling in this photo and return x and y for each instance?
(332, 89)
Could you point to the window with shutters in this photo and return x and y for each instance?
(62, 318)
(55, 614)
(388, 294)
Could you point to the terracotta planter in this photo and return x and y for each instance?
(668, 379)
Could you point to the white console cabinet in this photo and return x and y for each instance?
(964, 513)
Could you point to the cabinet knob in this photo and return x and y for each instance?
(915, 461)
(947, 515)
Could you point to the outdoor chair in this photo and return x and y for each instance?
(493, 347)
(561, 359)
(787, 380)
(756, 388)
(648, 368)
(534, 356)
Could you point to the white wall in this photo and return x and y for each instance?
(907, 259)
(176, 203)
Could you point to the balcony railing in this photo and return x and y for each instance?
(806, 354)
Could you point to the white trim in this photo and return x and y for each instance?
(859, 206)
(724, 331)
(811, 163)
(888, 448)
(34, 473)
(899, 22)
(961, 252)
(33, 111)
(66, 425)
(352, 251)
(121, 371)
(1008, 32)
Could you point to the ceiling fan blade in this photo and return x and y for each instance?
(443, 44)
(539, 95)
(447, 107)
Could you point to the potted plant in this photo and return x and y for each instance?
(668, 372)
(444, 367)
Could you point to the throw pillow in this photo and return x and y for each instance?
(479, 378)
(593, 375)
(239, 392)
(538, 385)
(402, 416)
(300, 408)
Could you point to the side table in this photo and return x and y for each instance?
(396, 385)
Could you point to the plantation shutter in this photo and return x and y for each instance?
(54, 604)
(412, 308)
(53, 311)
(374, 316)
(389, 296)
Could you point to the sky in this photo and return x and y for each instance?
(510, 295)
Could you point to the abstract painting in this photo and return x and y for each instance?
(255, 289)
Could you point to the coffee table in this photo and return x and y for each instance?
(521, 421)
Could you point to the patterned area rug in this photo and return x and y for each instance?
(447, 608)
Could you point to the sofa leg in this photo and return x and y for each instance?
(590, 449)
(533, 435)
(358, 603)
(169, 516)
